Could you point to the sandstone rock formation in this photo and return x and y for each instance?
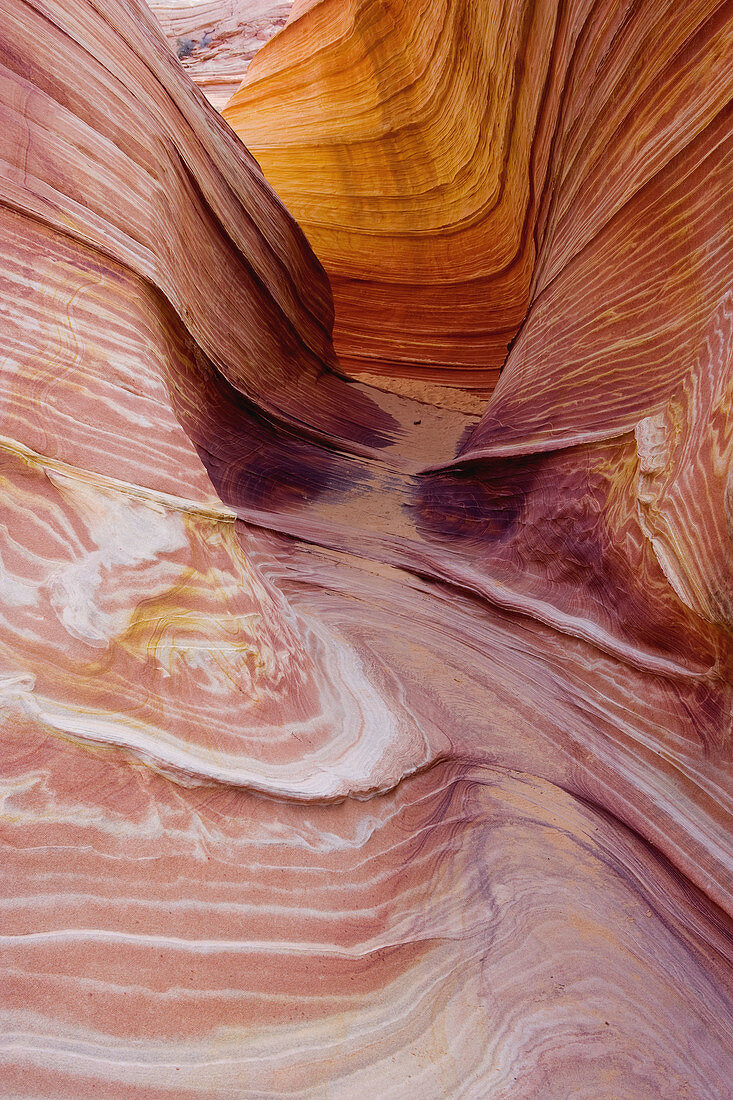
(216, 39)
(452, 162)
(352, 745)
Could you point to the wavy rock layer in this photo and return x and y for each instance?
(454, 162)
(351, 745)
(216, 39)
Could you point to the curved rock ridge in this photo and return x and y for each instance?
(349, 744)
(452, 162)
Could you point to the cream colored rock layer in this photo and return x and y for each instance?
(348, 745)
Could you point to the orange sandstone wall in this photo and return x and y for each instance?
(446, 160)
(351, 745)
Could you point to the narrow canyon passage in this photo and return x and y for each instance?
(365, 549)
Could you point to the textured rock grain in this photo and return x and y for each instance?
(216, 39)
(453, 163)
(352, 745)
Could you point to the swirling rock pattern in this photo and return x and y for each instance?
(352, 745)
(453, 162)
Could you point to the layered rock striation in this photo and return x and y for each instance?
(215, 40)
(352, 744)
(453, 163)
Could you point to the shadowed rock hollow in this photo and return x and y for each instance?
(353, 744)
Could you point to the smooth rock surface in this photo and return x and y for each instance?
(454, 163)
(352, 745)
